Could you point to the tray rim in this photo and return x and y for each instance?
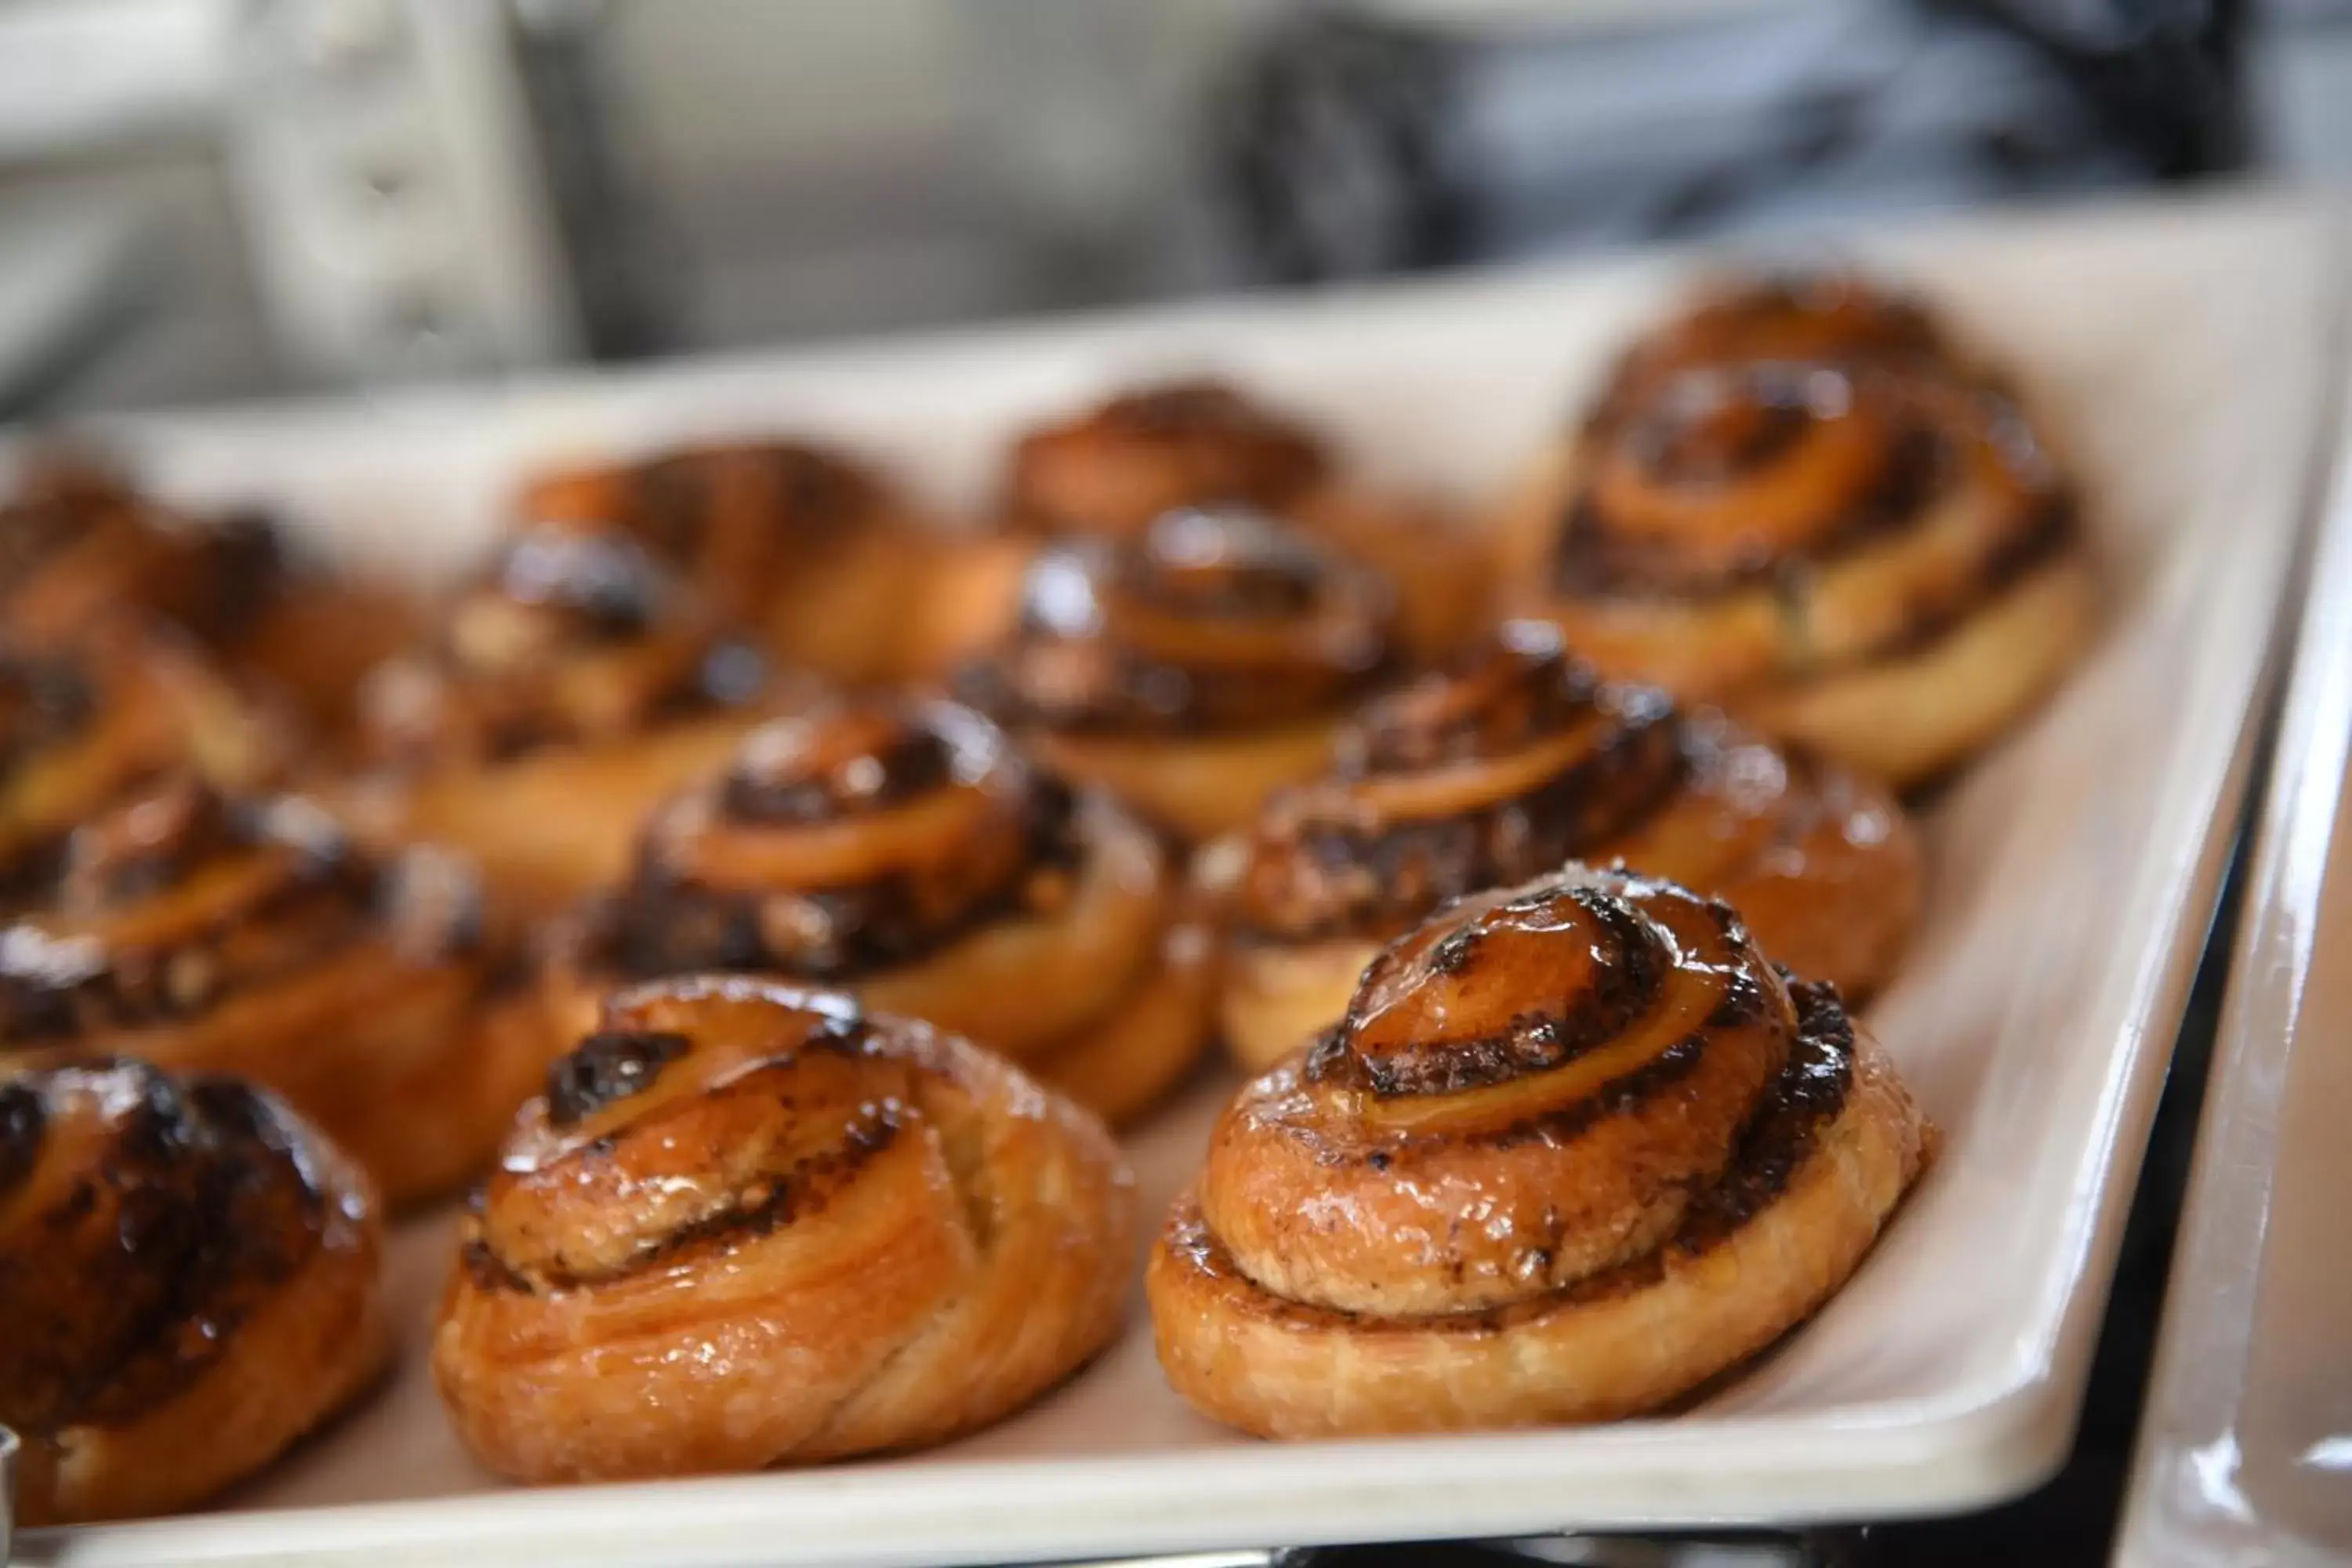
(2301, 833)
(2007, 1442)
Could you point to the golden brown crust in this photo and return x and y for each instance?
(1113, 471)
(1576, 1150)
(1191, 670)
(904, 850)
(748, 1224)
(1791, 499)
(78, 547)
(90, 718)
(803, 545)
(243, 935)
(1513, 759)
(189, 1275)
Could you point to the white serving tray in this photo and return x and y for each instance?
(2245, 1450)
(2181, 353)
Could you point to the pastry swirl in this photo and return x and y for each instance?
(1114, 469)
(1514, 760)
(1192, 670)
(78, 546)
(189, 1274)
(905, 849)
(749, 1224)
(89, 721)
(244, 935)
(575, 635)
(806, 550)
(1873, 554)
(1575, 1149)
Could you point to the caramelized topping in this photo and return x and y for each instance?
(608, 1066)
(1113, 471)
(1495, 769)
(1213, 620)
(181, 899)
(575, 634)
(866, 834)
(149, 1220)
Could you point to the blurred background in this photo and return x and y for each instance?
(214, 199)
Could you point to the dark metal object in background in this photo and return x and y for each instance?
(1353, 144)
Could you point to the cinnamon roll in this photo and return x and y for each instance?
(86, 722)
(1513, 760)
(749, 1225)
(1575, 1149)
(218, 934)
(78, 545)
(810, 550)
(189, 1276)
(904, 850)
(1193, 670)
(1878, 560)
(566, 691)
(1113, 471)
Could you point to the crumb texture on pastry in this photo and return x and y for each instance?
(1576, 1148)
(905, 849)
(189, 1281)
(218, 933)
(749, 1224)
(1515, 759)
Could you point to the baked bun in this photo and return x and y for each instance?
(1576, 1148)
(1190, 671)
(809, 550)
(748, 1225)
(78, 546)
(213, 934)
(189, 1275)
(1873, 556)
(96, 717)
(1513, 760)
(902, 850)
(1113, 471)
(565, 690)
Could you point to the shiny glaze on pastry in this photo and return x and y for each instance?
(1113, 472)
(806, 550)
(189, 1278)
(244, 935)
(1514, 760)
(749, 1225)
(1785, 536)
(1192, 670)
(566, 691)
(903, 848)
(1114, 468)
(1576, 1148)
(88, 721)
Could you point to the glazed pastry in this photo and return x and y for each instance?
(1877, 561)
(78, 546)
(1112, 472)
(748, 1225)
(1191, 671)
(567, 690)
(905, 851)
(189, 1274)
(85, 722)
(1577, 1148)
(1511, 762)
(812, 551)
(212, 935)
